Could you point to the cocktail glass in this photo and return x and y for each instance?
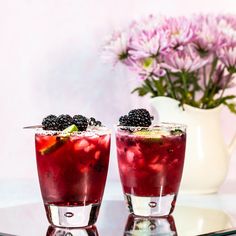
(150, 164)
(72, 170)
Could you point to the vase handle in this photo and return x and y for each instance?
(232, 145)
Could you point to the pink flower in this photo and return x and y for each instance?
(116, 48)
(150, 25)
(147, 68)
(183, 61)
(147, 44)
(180, 31)
(208, 37)
(221, 79)
(227, 56)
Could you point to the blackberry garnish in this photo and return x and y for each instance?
(64, 121)
(50, 122)
(123, 120)
(98, 123)
(93, 122)
(136, 117)
(81, 122)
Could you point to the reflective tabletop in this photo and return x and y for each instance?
(30, 219)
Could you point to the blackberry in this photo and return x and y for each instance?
(139, 117)
(50, 122)
(123, 121)
(93, 122)
(136, 117)
(64, 121)
(98, 123)
(81, 122)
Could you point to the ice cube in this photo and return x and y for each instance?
(129, 156)
(175, 161)
(97, 155)
(154, 159)
(89, 148)
(81, 144)
(105, 141)
(164, 159)
(156, 167)
(83, 168)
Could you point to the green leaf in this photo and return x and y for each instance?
(231, 106)
(142, 91)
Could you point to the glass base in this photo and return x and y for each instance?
(151, 226)
(151, 206)
(72, 216)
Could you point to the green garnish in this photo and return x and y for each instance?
(70, 129)
(59, 140)
(176, 132)
(151, 134)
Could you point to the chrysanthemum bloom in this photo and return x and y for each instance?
(180, 31)
(146, 45)
(116, 48)
(208, 37)
(221, 79)
(147, 68)
(227, 56)
(183, 61)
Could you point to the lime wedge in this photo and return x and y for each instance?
(58, 143)
(70, 129)
(151, 134)
(60, 140)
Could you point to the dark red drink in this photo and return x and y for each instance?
(151, 160)
(72, 168)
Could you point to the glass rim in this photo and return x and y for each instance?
(159, 125)
(92, 130)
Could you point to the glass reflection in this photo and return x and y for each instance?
(139, 226)
(54, 231)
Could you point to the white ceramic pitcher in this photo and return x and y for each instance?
(207, 155)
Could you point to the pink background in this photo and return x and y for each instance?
(49, 63)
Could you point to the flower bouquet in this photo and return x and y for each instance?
(192, 60)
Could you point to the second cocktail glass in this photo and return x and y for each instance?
(151, 161)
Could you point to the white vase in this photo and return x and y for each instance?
(207, 155)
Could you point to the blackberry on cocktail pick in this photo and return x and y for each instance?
(81, 122)
(98, 123)
(123, 121)
(50, 122)
(64, 121)
(137, 117)
(93, 122)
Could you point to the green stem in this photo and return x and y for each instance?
(172, 88)
(205, 97)
(184, 80)
(225, 85)
(204, 76)
(153, 91)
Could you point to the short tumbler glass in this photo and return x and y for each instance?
(72, 170)
(151, 161)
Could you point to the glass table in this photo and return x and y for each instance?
(30, 220)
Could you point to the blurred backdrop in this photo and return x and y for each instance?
(50, 63)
